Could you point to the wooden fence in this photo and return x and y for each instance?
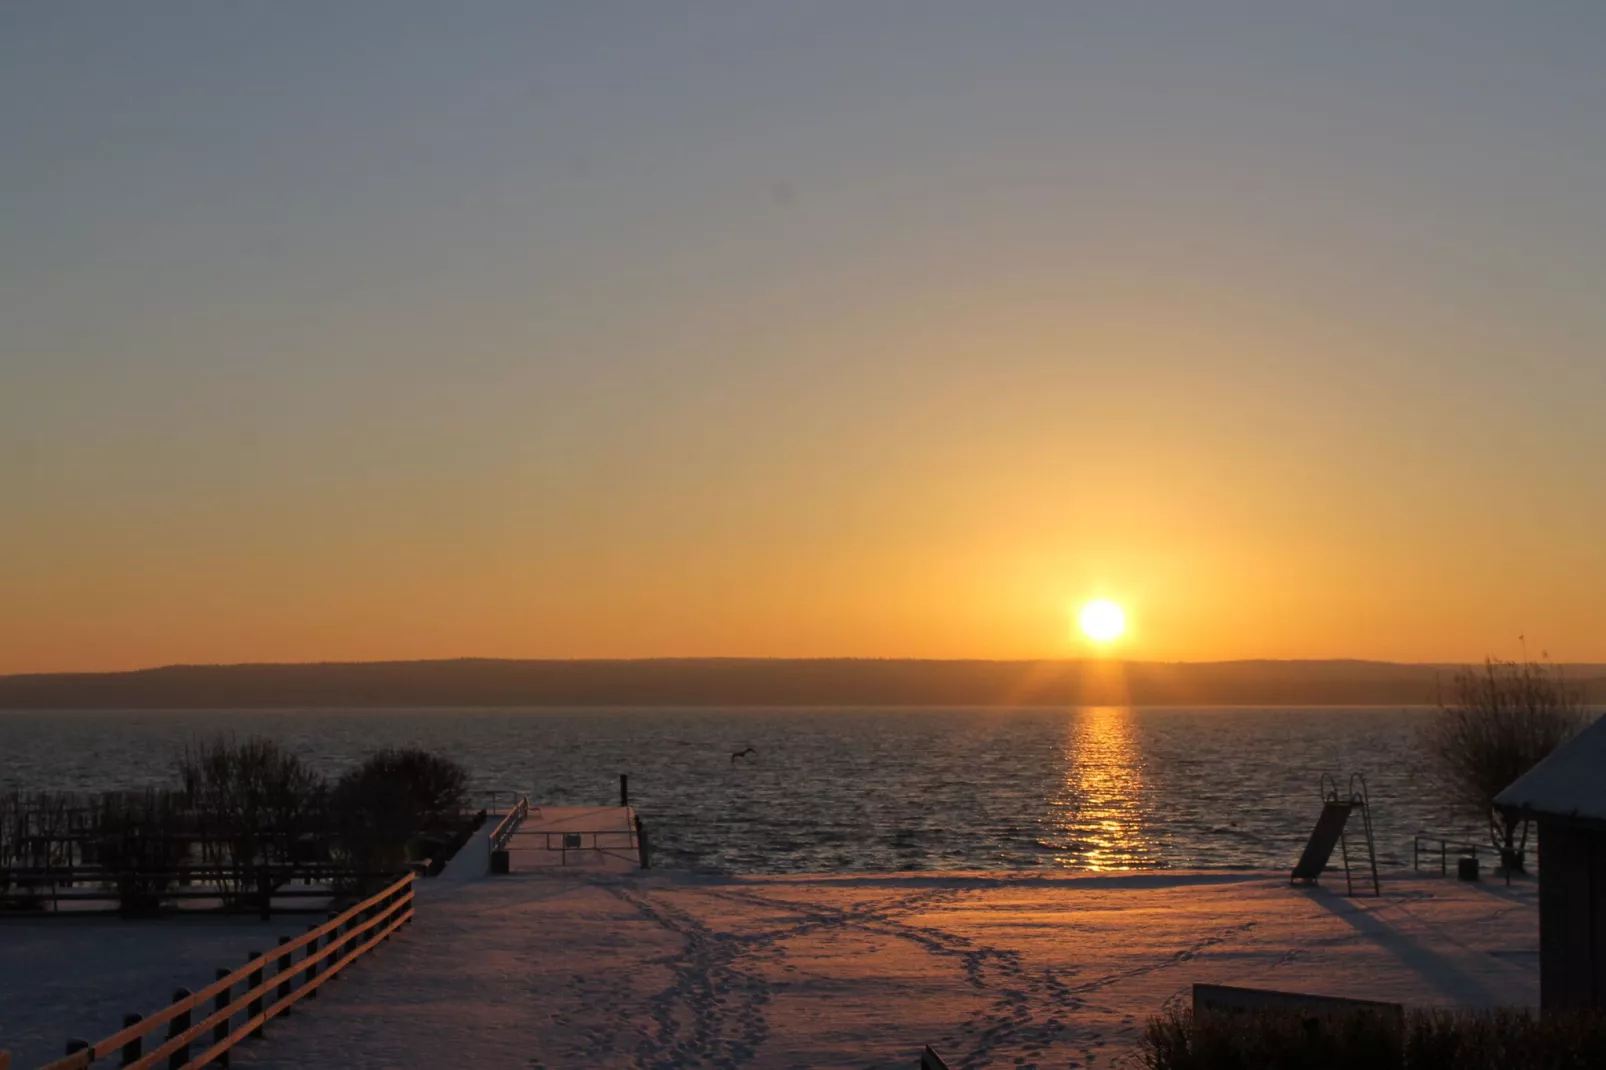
(325, 951)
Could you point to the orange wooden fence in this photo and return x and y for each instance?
(325, 951)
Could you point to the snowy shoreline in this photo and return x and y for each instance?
(575, 968)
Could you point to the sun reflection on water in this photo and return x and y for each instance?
(1100, 817)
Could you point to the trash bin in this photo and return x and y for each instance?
(1467, 868)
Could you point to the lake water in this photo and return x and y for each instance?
(846, 789)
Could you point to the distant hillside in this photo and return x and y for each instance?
(746, 682)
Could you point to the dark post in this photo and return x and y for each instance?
(132, 1049)
(624, 789)
(312, 951)
(499, 861)
(252, 980)
(641, 843)
(74, 1046)
(179, 1024)
(286, 960)
(220, 1032)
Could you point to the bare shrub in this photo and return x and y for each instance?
(141, 840)
(1237, 1040)
(37, 836)
(1500, 722)
(257, 807)
(391, 801)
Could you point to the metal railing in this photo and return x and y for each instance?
(576, 840)
(510, 823)
(325, 951)
(492, 799)
(1464, 849)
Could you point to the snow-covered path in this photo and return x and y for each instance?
(652, 969)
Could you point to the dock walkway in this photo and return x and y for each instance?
(593, 837)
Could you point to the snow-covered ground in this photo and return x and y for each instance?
(653, 969)
(592, 967)
(66, 977)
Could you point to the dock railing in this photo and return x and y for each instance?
(510, 823)
(589, 841)
(504, 832)
(491, 799)
(205, 1019)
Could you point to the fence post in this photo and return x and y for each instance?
(624, 789)
(74, 1046)
(220, 1032)
(132, 1049)
(312, 952)
(252, 981)
(641, 844)
(284, 960)
(339, 937)
(179, 1023)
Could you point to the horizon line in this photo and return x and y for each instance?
(721, 658)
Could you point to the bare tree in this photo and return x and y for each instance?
(1499, 723)
(254, 803)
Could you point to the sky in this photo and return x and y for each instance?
(869, 328)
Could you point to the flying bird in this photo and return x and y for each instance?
(741, 754)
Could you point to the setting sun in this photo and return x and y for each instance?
(1102, 621)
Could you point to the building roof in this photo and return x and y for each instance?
(1571, 782)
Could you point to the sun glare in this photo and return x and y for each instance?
(1102, 621)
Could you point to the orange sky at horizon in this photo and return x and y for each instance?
(972, 519)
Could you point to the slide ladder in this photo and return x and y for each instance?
(1330, 832)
